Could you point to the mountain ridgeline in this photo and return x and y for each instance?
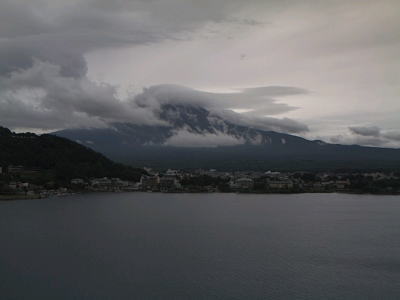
(62, 158)
(242, 148)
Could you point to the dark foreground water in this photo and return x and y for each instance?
(201, 246)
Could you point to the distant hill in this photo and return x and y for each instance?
(250, 148)
(65, 158)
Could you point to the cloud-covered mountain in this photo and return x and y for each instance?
(183, 125)
(70, 64)
(193, 136)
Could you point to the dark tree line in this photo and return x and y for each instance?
(64, 158)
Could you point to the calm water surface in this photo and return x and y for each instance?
(201, 246)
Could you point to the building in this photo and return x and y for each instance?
(272, 174)
(168, 184)
(101, 184)
(244, 183)
(318, 187)
(15, 169)
(118, 183)
(280, 184)
(342, 184)
(13, 185)
(149, 183)
(77, 181)
(171, 172)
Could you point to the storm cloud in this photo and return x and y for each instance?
(288, 66)
(369, 136)
(373, 131)
(43, 70)
(62, 32)
(260, 102)
(376, 134)
(41, 97)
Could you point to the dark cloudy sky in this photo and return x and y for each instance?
(326, 69)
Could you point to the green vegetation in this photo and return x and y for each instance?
(47, 158)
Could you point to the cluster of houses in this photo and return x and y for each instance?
(18, 187)
(18, 169)
(251, 181)
(165, 182)
(281, 182)
(104, 184)
(23, 189)
(206, 181)
(256, 181)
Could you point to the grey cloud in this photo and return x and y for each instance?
(373, 131)
(43, 70)
(370, 136)
(42, 66)
(63, 32)
(52, 29)
(21, 54)
(358, 140)
(259, 99)
(184, 138)
(391, 135)
(41, 97)
(242, 21)
(285, 125)
(43, 44)
(275, 91)
(222, 104)
(17, 18)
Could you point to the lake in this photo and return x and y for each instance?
(201, 246)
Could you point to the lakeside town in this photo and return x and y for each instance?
(18, 182)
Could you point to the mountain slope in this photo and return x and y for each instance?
(196, 138)
(67, 159)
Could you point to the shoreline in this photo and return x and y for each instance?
(37, 197)
(19, 197)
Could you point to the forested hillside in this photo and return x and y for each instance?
(64, 158)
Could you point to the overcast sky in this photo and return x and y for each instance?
(326, 69)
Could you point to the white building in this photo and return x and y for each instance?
(77, 181)
(280, 184)
(245, 183)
